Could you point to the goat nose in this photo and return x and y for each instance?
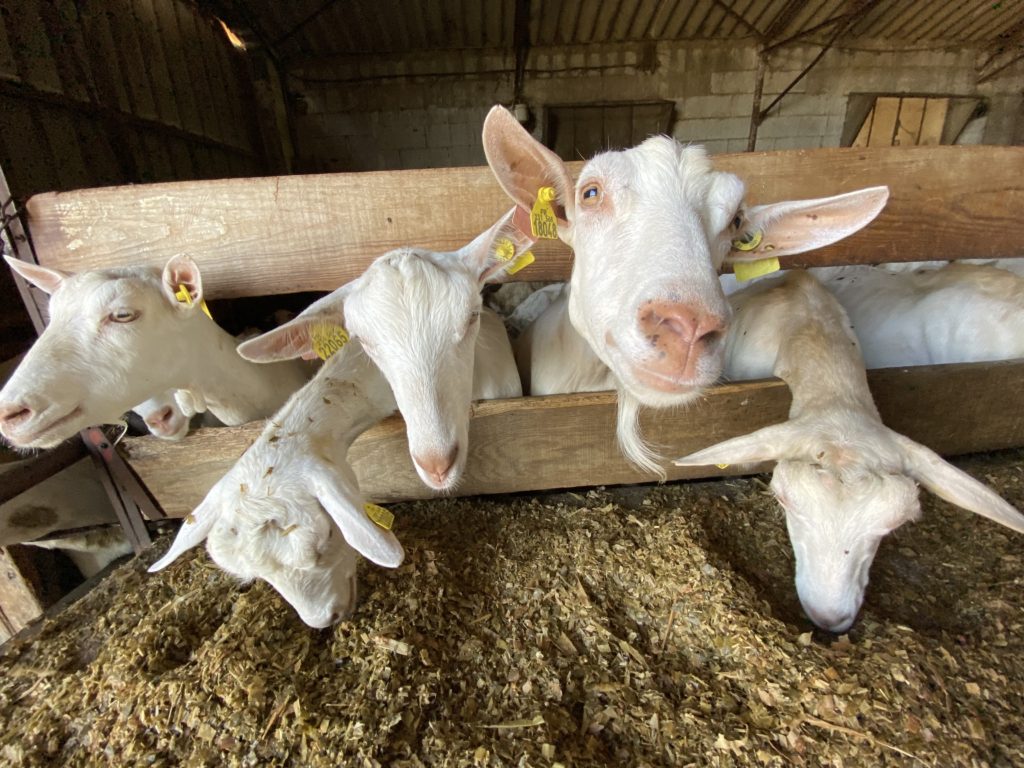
(160, 419)
(12, 414)
(834, 620)
(437, 465)
(675, 322)
(680, 335)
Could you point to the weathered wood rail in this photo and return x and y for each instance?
(280, 235)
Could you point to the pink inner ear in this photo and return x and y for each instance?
(521, 220)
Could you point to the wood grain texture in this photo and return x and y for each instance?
(20, 602)
(286, 234)
(565, 441)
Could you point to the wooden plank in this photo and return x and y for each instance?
(933, 122)
(103, 59)
(131, 64)
(156, 62)
(27, 159)
(213, 80)
(908, 124)
(8, 64)
(286, 234)
(883, 127)
(31, 45)
(19, 601)
(864, 134)
(176, 52)
(64, 29)
(566, 441)
(196, 80)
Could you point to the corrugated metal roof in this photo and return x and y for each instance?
(305, 29)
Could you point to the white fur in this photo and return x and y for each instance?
(91, 551)
(88, 369)
(163, 417)
(419, 316)
(844, 479)
(73, 498)
(290, 511)
(937, 313)
(961, 313)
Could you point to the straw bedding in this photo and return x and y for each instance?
(637, 626)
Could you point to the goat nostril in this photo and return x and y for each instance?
(335, 617)
(15, 414)
(438, 465)
(711, 337)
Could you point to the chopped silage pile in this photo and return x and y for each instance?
(635, 626)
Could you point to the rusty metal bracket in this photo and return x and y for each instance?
(128, 496)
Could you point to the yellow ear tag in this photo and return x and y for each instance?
(722, 466)
(327, 338)
(379, 515)
(542, 217)
(185, 297)
(749, 241)
(505, 251)
(748, 270)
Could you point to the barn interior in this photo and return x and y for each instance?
(645, 625)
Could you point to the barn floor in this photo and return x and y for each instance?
(634, 626)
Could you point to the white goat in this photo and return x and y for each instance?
(419, 316)
(844, 479)
(118, 337)
(273, 515)
(955, 313)
(422, 313)
(71, 499)
(163, 417)
(961, 313)
(650, 227)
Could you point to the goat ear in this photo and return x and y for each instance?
(45, 279)
(193, 532)
(291, 340)
(955, 486)
(346, 509)
(522, 165)
(181, 273)
(782, 229)
(779, 441)
(494, 252)
(295, 338)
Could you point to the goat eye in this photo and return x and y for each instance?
(591, 194)
(737, 221)
(123, 315)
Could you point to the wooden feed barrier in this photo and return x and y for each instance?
(287, 234)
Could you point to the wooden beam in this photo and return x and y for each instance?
(566, 441)
(286, 234)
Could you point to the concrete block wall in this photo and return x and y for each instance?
(426, 109)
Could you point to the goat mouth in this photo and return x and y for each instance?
(37, 438)
(662, 382)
